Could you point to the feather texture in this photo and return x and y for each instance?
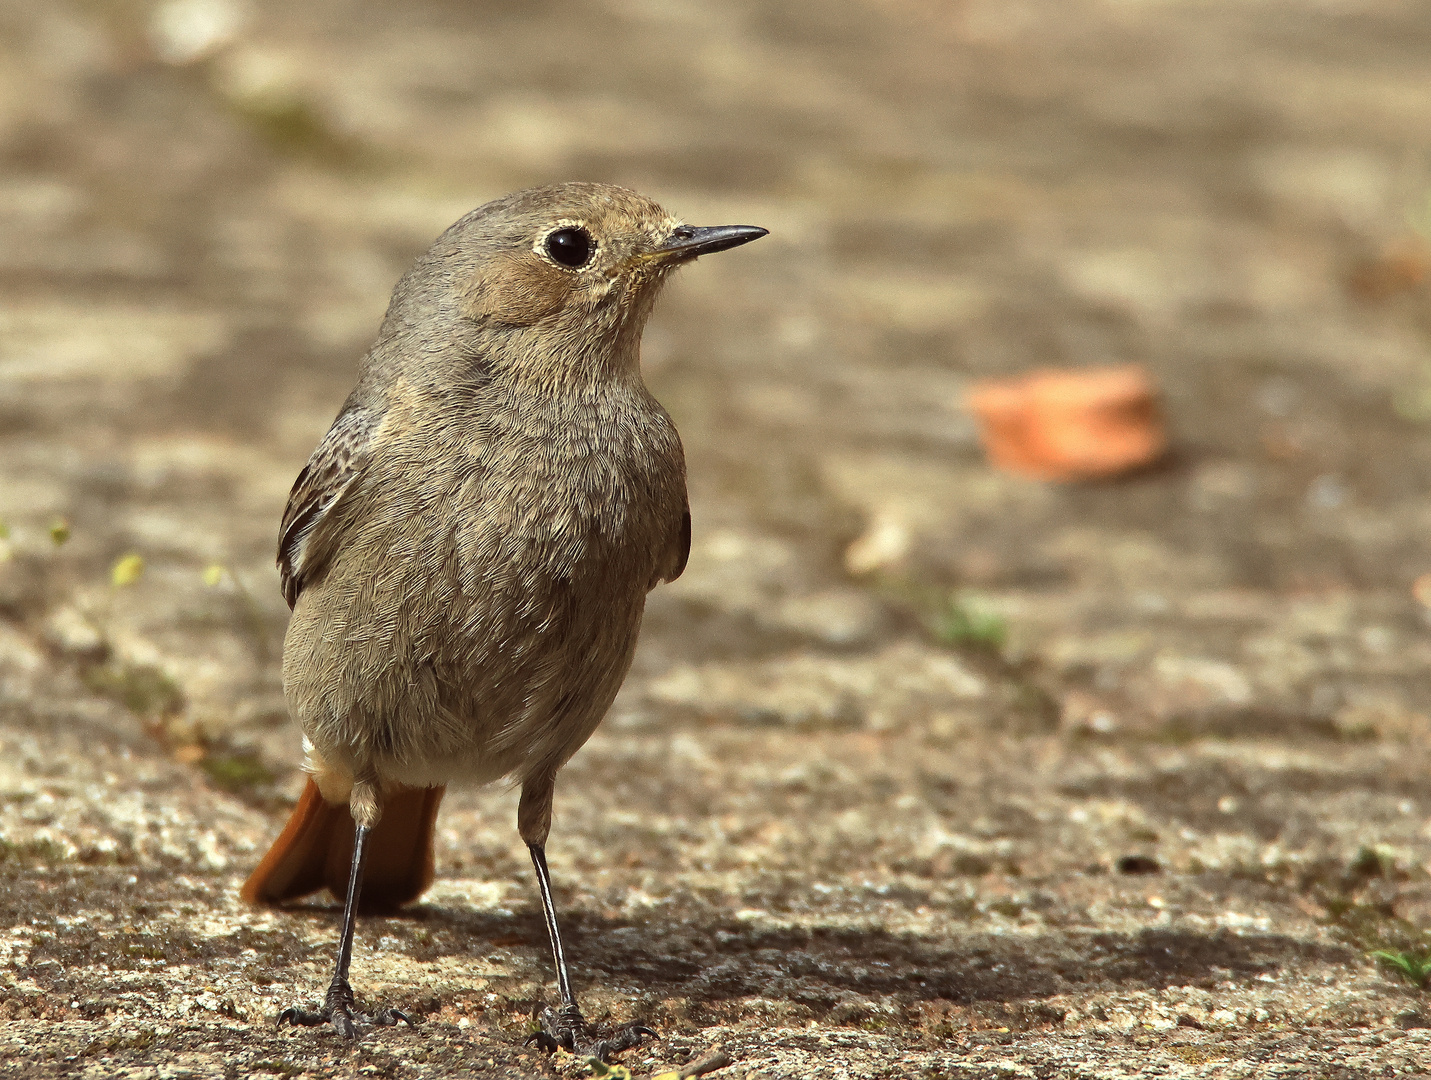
(332, 469)
(316, 845)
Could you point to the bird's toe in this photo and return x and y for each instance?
(568, 1030)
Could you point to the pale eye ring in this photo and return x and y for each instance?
(570, 247)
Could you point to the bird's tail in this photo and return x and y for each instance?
(316, 847)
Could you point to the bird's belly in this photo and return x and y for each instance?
(484, 654)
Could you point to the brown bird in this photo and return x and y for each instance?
(468, 551)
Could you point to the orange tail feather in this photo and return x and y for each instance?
(316, 846)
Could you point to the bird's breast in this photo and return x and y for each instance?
(492, 588)
(566, 501)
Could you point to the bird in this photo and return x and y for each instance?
(468, 550)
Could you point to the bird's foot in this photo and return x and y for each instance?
(567, 1029)
(339, 1010)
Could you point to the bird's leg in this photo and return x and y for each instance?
(564, 1026)
(338, 1007)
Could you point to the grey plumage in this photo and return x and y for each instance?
(469, 548)
(337, 460)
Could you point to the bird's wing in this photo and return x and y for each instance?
(303, 543)
(683, 546)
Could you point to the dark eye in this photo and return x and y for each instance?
(570, 247)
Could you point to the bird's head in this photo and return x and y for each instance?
(574, 268)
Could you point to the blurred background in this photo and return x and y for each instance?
(1009, 704)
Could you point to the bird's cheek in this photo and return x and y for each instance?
(516, 292)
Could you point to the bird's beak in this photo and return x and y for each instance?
(688, 241)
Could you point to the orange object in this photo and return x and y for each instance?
(316, 847)
(1421, 589)
(1400, 267)
(1071, 424)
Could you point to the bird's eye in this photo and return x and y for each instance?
(570, 247)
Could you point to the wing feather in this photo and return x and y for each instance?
(332, 470)
(683, 546)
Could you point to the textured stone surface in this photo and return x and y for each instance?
(922, 770)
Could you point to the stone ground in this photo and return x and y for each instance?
(1111, 780)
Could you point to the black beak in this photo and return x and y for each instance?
(689, 241)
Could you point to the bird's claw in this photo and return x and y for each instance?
(338, 1010)
(566, 1029)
